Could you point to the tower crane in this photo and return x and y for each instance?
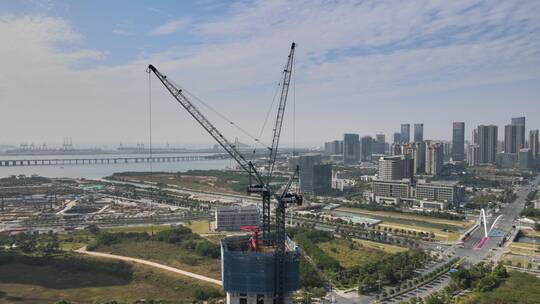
(262, 185)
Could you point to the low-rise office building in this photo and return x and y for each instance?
(391, 191)
(422, 194)
(437, 195)
(232, 218)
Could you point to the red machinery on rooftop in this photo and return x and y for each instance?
(254, 240)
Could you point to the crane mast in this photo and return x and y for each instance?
(287, 72)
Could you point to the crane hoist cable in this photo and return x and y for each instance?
(268, 112)
(271, 106)
(150, 147)
(222, 116)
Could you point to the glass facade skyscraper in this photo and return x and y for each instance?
(405, 133)
(419, 132)
(458, 141)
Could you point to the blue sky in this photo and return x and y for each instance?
(77, 68)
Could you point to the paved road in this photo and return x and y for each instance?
(149, 263)
(424, 290)
(509, 213)
(473, 255)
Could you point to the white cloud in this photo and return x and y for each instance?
(122, 32)
(413, 61)
(169, 27)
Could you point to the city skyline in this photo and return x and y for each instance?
(318, 143)
(438, 63)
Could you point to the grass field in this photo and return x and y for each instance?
(419, 220)
(142, 228)
(530, 233)
(525, 248)
(350, 253)
(75, 240)
(515, 259)
(20, 283)
(167, 254)
(439, 234)
(215, 238)
(380, 246)
(519, 288)
(442, 228)
(199, 227)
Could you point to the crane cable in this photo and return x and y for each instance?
(150, 147)
(268, 112)
(294, 117)
(294, 106)
(255, 139)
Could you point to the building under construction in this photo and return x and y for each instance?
(249, 276)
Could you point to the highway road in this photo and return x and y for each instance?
(505, 224)
(469, 251)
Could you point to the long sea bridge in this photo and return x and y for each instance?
(107, 160)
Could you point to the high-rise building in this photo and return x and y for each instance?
(419, 132)
(395, 167)
(333, 147)
(475, 136)
(458, 141)
(328, 148)
(366, 148)
(520, 121)
(405, 133)
(351, 149)
(534, 144)
(322, 179)
(524, 159)
(511, 144)
(396, 138)
(379, 144)
(447, 150)
(338, 147)
(473, 155)
(315, 178)
(306, 163)
(417, 152)
(395, 149)
(520, 133)
(487, 143)
(507, 160)
(434, 158)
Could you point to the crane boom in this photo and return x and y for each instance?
(206, 124)
(287, 72)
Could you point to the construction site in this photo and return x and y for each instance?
(62, 205)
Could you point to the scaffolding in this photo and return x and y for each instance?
(248, 271)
